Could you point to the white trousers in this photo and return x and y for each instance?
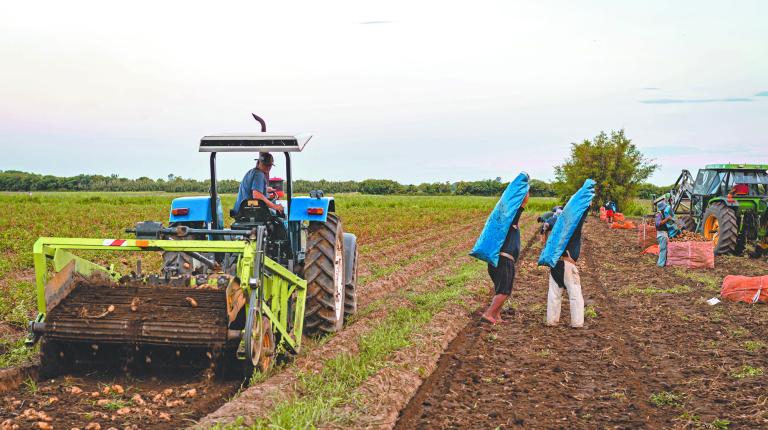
(555, 297)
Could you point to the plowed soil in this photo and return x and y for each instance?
(652, 354)
(162, 404)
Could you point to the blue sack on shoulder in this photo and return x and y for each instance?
(496, 227)
(566, 224)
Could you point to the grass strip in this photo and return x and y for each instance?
(334, 385)
(649, 291)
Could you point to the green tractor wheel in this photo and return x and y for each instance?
(324, 272)
(721, 227)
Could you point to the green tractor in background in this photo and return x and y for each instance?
(728, 204)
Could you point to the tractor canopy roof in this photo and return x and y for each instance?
(254, 142)
(762, 167)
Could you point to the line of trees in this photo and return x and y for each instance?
(12, 180)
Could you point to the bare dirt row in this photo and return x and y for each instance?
(653, 354)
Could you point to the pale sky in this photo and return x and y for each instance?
(413, 91)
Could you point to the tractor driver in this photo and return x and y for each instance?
(254, 183)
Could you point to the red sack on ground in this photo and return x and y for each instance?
(653, 249)
(626, 225)
(618, 216)
(693, 255)
(603, 215)
(745, 289)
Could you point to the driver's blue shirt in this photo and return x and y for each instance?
(254, 180)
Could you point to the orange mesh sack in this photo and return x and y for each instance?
(745, 289)
(603, 215)
(693, 255)
(653, 249)
(618, 216)
(626, 225)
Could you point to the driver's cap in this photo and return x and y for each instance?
(265, 158)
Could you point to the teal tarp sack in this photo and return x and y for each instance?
(566, 224)
(496, 227)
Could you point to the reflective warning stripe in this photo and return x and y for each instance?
(114, 242)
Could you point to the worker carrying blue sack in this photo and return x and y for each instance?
(499, 244)
(561, 253)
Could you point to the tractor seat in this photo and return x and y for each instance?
(251, 214)
(741, 189)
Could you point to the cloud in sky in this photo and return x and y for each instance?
(375, 22)
(762, 94)
(651, 88)
(689, 101)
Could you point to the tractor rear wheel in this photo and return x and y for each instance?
(324, 272)
(721, 227)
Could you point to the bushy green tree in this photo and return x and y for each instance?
(613, 161)
(489, 187)
(380, 186)
(541, 188)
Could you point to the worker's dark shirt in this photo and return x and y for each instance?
(511, 244)
(254, 180)
(573, 249)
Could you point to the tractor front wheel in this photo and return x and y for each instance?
(324, 272)
(721, 227)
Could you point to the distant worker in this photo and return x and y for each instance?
(503, 274)
(565, 276)
(254, 184)
(548, 221)
(610, 210)
(662, 231)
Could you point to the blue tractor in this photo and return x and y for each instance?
(245, 293)
(308, 240)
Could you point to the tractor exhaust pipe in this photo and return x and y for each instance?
(261, 121)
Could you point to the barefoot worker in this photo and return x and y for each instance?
(499, 244)
(561, 253)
